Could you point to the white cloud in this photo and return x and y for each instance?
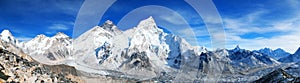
(173, 18)
(200, 31)
(58, 27)
(255, 15)
(246, 24)
(289, 41)
(54, 28)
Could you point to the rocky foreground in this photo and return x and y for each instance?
(17, 69)
(21, 70)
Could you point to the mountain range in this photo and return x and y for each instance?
(148, 53)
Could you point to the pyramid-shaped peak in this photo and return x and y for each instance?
(237, 47)
(148, 23)
(8, 37)
(148, 20)
(60, 35)
(110, 26)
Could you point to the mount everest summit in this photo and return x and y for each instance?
(146, 52)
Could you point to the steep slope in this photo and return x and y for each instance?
(8, 43)
(277, 54)
(93, 46)
(209, 66)
(142, 51)
(110, 26)
(8, 37)
(163, 50)
(292, 57)
(49, 50)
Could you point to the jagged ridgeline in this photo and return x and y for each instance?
(144, 53)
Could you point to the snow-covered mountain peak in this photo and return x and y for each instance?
(99, 30)
(143, 51)
(146, 35)
(237, 48)
(109, 22)
(38, 39)
(40, 36)
(47, 50)
(277, 54)
(8, 37)
(148, 24)
(60, 35)
(6, 33)
(111, 27)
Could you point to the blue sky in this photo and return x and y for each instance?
(252, 24)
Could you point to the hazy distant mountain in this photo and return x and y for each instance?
(47, 50)
(277, 54)
(292, 57)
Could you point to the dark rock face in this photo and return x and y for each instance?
(51, 56)
(278, 76)
(3, 76)
(139, 60)
(107, 52)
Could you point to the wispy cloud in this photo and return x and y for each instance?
(172, 18)
(58, 27)
(63, 27)
(255, 22)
